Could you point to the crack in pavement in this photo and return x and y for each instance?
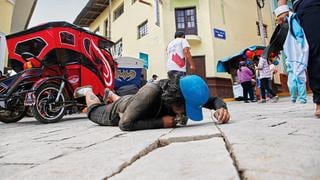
(232, 154)
(53, 131)
(58, 140)
(18, 164)
(278, 124)
(159, 143)
(293, 132)
(81, 148)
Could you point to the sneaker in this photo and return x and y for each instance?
(82, 91)
(275, 99)
(293, 101)
(107, 95)
(303, 102)
(246, 101)
(253, 100)
(262, 101)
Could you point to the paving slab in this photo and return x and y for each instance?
(266, 141)
(270, 140)
(193, 131)
(204, 159)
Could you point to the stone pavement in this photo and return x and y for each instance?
(262, 141)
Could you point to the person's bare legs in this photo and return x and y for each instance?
(86, 91)
(109, 95)
(318, 110)
(91, 99)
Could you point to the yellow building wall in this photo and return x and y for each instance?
(126, 27)
(6, 11)
(239, 23)
(204, 47)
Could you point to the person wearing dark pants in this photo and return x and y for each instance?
(264, 76)
(308, 12)
(247, 89)
(264, 86)
(245, 75)
(156, 105)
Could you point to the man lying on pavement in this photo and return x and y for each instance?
(161, 104)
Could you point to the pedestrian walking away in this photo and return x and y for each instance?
(162, 104)
(308, 12)
(264, 76)
(178, 51)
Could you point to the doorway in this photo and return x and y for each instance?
(200, 64)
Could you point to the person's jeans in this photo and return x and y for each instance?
(247, 88)
(309, 19)
(264, 85)
(174, 74)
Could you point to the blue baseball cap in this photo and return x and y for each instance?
(196, 93)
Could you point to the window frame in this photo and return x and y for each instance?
(116, 54)
(121, 6)
(74, 38)
(265, 29)
(84, 45)
(186, 30)
(37, 37)
(144, 25)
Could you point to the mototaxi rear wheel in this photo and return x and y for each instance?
(12, 116)
(46, 110)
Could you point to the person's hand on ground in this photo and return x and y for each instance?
(168, 121)
(222, 115)
(282, 17)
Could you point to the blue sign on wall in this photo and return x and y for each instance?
(220, 34)
(145, 58)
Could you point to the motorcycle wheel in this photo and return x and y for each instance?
(12, 117)
(29, 112)
(46, 110)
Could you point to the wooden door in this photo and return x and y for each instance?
(200, 64)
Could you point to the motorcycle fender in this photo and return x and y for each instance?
(50, 79)
(40, 83)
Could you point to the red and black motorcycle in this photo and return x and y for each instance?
(51, 60)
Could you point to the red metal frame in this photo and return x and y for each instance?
(96, 68)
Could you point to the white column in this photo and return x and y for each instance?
(3, 48)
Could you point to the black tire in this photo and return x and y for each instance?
(45, 96)
(29, 112)
(12, 117)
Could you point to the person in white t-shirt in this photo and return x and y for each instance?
(178, 51)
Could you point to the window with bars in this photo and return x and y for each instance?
(142, 29)
(117, 13)
(186, 20)
(118, 48)
(264, 29)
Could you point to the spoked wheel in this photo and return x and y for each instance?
(12, 116)
(46, 109)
